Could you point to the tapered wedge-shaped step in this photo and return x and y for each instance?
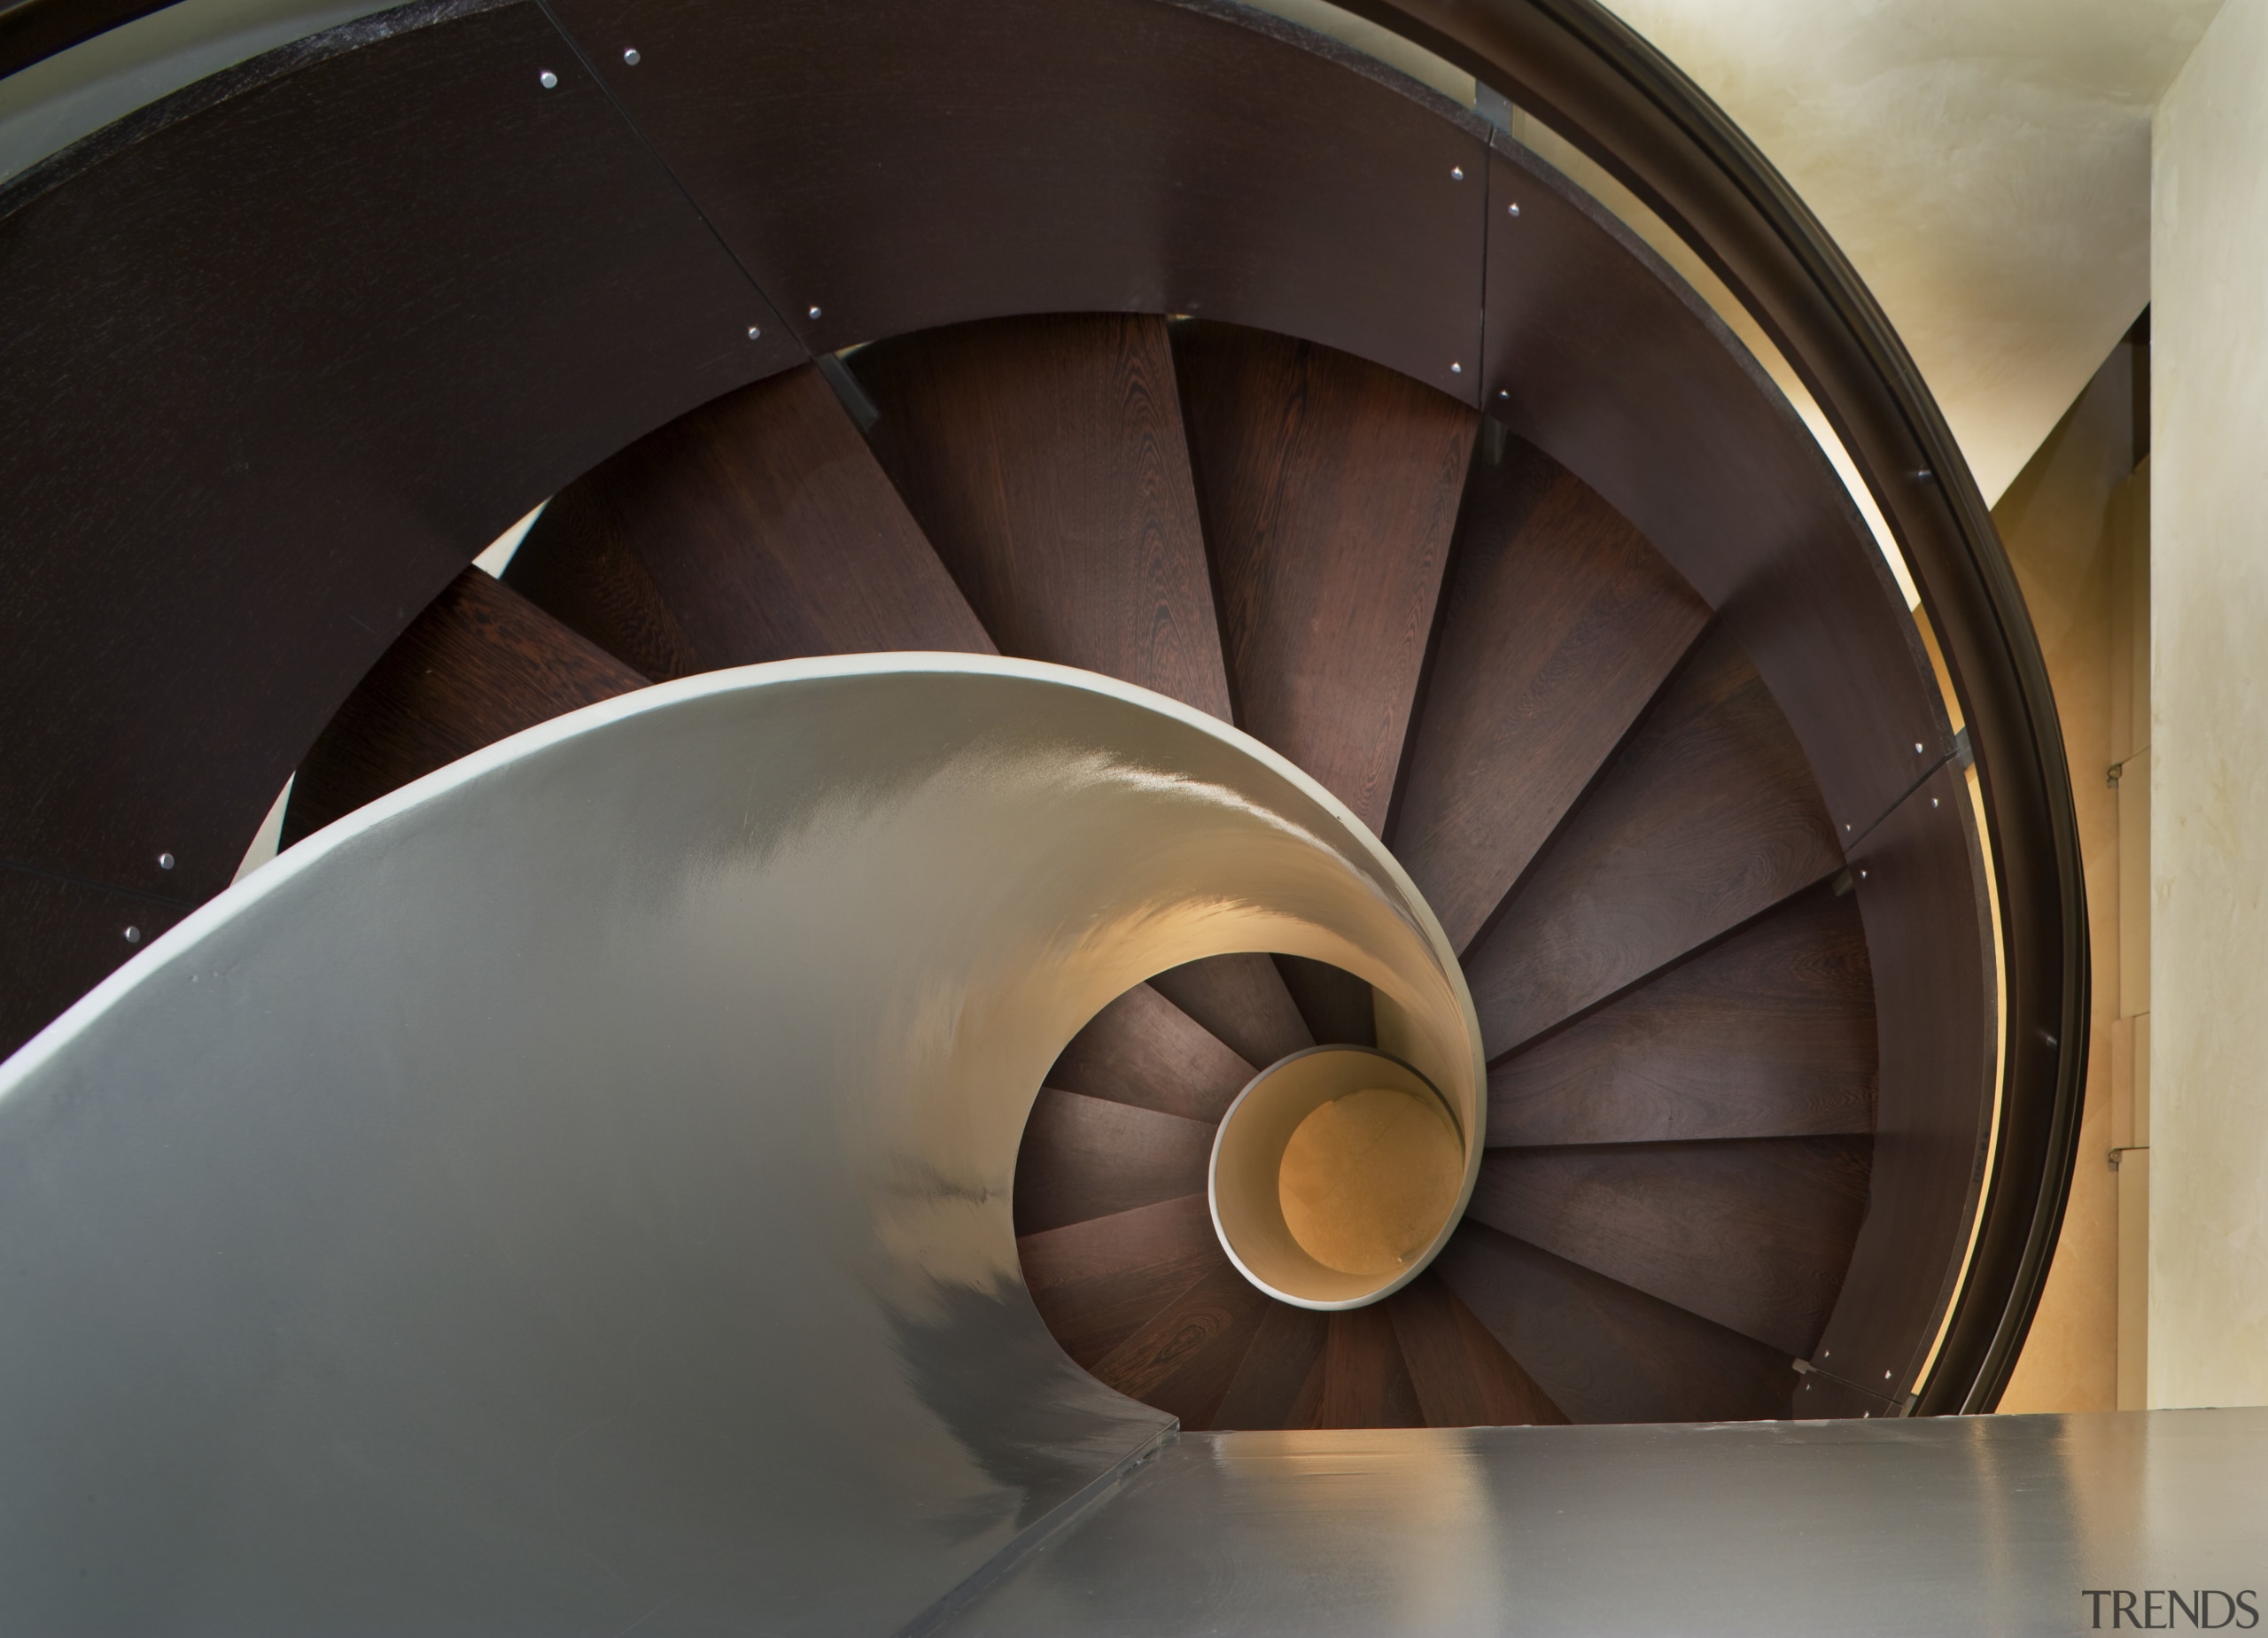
(479, 664)
(1089, 1157)
(1279, 1381)
(1330, 490)
(1240, 1001)
(1462, 1374)
(1044, 458)
(1184, 1358)
(1560, 624)
(1335, 1005)
(1753, 1233)
(757, 527)
(1096, 1283)
(1365, 1380)
(1145, 1050)
(1707, 817)
(1770, 1033)
(1603, 1351)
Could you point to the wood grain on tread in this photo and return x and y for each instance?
(756, 527)
(1768, 1034)
(1706, 818)
(1330, 490)
(1753, 1233)
(1143, 1050)
(1089, 1157)
(1183, 1357)
(1462, 1374)
(479, 664)
(1336, 1005)
(1560, 625)
(1604, 1352)
(1240, 1000)
(1095, 1283)
(1280, 1382)
(1366, 1382)
(1044, 458)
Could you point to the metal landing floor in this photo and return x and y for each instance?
(1955, 1525)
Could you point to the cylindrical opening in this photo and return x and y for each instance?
(1336, 1175)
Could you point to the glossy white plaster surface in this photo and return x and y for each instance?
(2209, 984)
(1986, 164)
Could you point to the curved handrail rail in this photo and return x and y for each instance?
(1587, 75)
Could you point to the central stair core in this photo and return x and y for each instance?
(1334, 1174)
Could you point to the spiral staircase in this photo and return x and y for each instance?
(1172, 343)
(1583, 772)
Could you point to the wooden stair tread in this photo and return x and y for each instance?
(479, 664)
(1605, 1352)
(1561, 623)
(1279, 1381)
(1143, 1050)
(1240, 1001)
(1330, 489)
(1768, 1034)
(1462, 1375)
(1183, 1359)
(1089, 1157)
(1096, 1282)
(1753, 1233)
(1335, 1005)
(1707, 817)
(757, 527)
(1365, 1380)
(1045, 459)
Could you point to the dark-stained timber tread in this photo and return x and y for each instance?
(1240, 1000)
(1145, 1050)
(1044, 458)
(1707, 817)
(1090, 1157)
(480, 662)
(1560, 625)
(1098, 1281)
(1462, 1375)
(1603, 1351)
(757, 527)
(1753, 1233)
(1330, 490)
(1770, 1033)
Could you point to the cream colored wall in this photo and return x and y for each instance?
(1986, 164)
(2208, 592)
(2060, 521)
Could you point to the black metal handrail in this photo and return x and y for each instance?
(1601, 86)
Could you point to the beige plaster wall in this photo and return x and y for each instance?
(2056, 520)
(1986, 164)
(2208, 795)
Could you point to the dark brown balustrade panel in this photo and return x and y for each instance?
(283, 352)
(1600, 356)
(1920, 883)
(893, 167)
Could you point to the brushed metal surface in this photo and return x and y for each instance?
(571, 1194)
(1951, 1525)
